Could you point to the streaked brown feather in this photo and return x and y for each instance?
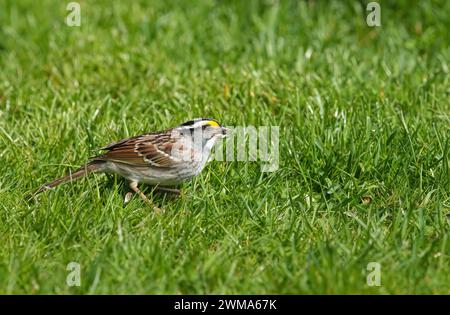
(145, 150)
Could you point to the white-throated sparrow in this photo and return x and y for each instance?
(163, 158)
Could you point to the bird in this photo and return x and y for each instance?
(163, 158)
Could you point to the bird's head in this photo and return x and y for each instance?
(210, 128)
(203, 131)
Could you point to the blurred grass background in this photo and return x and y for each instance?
(364, 146)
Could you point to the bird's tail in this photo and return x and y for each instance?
(91, 167)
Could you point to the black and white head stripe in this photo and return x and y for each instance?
(200, 122)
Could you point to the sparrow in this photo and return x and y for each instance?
(162, 158)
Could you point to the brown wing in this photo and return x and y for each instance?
(146, 150)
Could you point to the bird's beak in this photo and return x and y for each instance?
(226, 131)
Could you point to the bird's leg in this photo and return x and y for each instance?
(169, 190)
(134, 187)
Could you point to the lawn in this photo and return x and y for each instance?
(364, 118)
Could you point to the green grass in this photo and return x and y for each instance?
(362, 112)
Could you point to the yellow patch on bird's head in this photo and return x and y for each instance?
(212, 123)
(200, 122)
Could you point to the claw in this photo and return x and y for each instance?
(127, 198)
